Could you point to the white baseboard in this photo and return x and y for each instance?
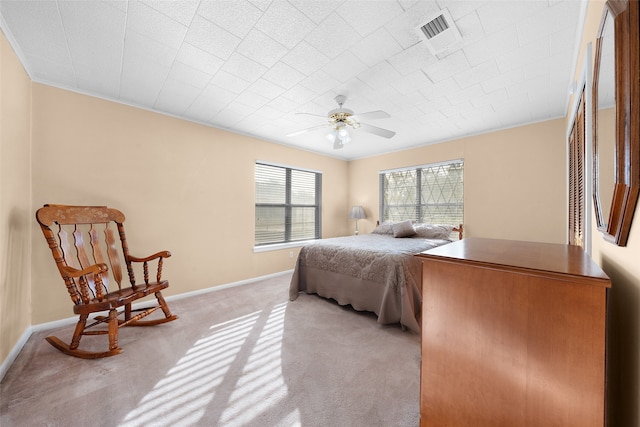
(225, 286)
(13, 354)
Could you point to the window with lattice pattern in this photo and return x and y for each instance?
(432, 193)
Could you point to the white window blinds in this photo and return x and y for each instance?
(577, 198)
(287, 204)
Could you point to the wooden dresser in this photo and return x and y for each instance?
(513, 334)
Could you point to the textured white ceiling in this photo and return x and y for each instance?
(250, 66)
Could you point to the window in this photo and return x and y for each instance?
(429, 193)
(287, 204)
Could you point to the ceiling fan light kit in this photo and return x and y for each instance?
(341, 119)
(339, 136)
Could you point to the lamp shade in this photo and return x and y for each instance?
(357, 212)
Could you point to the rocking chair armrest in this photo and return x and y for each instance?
(92, 269)
(161, 254)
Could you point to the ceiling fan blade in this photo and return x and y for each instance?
(377, 131)
(300, 132)
(378, 114)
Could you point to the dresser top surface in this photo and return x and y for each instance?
(545, 258)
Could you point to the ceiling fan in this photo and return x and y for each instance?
(341, 119)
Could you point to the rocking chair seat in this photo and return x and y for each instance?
(119, 298)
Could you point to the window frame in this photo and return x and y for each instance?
(418, 204)
(288, 207)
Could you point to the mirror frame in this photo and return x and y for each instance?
(626, 18)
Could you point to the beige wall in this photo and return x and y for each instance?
(184, 187)
(513, 181)
(15, 200)
(623, 267)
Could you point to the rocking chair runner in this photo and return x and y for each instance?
(88, 278)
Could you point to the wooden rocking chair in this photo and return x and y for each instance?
(89, 280)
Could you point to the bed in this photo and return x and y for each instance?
(375, 272)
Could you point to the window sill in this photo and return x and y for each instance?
(278, 246)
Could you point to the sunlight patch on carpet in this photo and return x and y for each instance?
(230, 377)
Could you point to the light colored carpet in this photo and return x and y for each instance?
(242, 356)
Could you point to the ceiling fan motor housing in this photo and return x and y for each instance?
(340, 115)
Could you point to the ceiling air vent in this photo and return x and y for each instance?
(435, 27)
(440, 33)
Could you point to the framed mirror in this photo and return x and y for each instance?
(616, 120)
